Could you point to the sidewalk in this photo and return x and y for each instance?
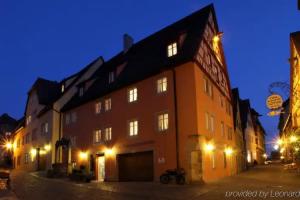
(7, 195)
(153, 190)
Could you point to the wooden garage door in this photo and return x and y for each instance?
(136, 166)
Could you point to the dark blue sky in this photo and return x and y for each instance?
(53, 39)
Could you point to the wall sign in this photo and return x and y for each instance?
(274, 102)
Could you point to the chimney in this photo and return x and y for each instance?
(127, 42)
(298, 4)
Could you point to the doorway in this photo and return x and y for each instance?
(101, 168)
(196, 166)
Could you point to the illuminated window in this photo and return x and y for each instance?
(163, 122)
(208, 88)
(107, 104)
(162, 85)
(249, 156)
(97, 136)
(108, 132)
(28, 119)
(133, 128)
(209, 122)
(172, 49)
(132, 95)
(98, 107)
(111, 77)
(62, 88)
(45, 128)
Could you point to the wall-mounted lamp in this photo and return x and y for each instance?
(83, 155)
(209, 147)
(228, 151)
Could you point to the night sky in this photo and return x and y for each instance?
(53, 39)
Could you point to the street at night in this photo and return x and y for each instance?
(262, 182)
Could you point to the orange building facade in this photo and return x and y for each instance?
(144, 114)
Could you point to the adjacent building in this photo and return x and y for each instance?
(239, 132)
(35, 140)
(285, 133)
(249, 132)
(7, 126)
(295, 80)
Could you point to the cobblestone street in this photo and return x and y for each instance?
(265, 181)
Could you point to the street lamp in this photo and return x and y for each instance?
(9, 145)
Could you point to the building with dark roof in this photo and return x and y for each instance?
(161, 103)
(7, 125)
(239, 130)
(37, 134)
(254, 134)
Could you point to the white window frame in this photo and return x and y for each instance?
(208, 87)
(28, 119)
(172, 49)
(98, 107)
(108, 133)
(133, 127)
(107, 104)
(163, 122)
(207, 121)
(97, 136)
(162, 85)
(132, 94)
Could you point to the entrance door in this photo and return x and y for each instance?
(101, 168)
(196, 166)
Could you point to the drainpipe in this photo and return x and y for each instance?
(176, 118)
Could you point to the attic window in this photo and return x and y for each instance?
(81, 91)
(111, 77)
(62, 88)
(172, 49)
